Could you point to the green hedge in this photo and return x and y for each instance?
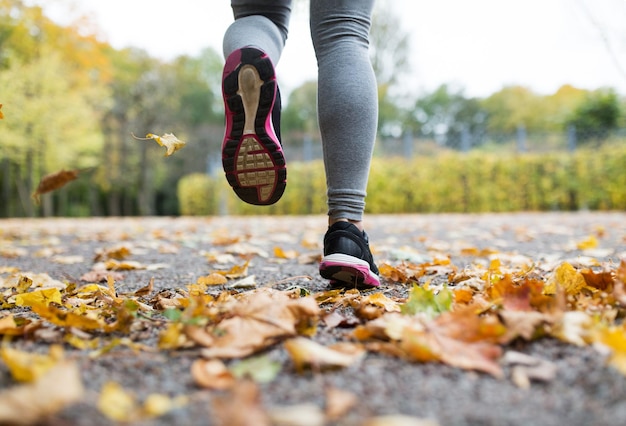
(451, 182)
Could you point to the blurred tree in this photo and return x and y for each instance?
(51, 82)
(450, 118)
(300, 113)
(596, 116)
(515, 106)
(389, 49)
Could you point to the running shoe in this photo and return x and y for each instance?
(348, 261)
(252, 154)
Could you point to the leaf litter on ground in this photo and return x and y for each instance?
(465, 317)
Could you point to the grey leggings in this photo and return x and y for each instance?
(347, 99)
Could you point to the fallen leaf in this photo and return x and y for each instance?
(307, 353)
(212, 279)
(256, 320)
(297, 415)
(212, 374)
(567, 277)
(27, 366)
(261, 369)
(30, 403)
(39, 298)
(240, 407)
(590, 242)
(339, 403)
(116, 403)
(426, 301)
(399, 420)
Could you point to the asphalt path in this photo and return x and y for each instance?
(584, 390)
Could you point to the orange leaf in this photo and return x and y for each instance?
(54, 181)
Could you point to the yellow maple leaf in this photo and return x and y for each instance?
(39, 297)
(566, 277)
(168, 140)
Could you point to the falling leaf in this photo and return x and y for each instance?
(307, 353)
(212, 374)
(54, 181)
(1, 114)
(30, 403)
(168, 140)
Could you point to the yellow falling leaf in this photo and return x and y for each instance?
(39, 297)
(1, 114)
(566, 277)
(168, 140)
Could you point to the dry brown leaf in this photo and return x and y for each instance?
(399, 420)
(240, 407)
(29, 403)
(307, 353)
(297, 415)
(258, 319)
(212, 374)
(338, 403)
(212, 279)
(54, 181)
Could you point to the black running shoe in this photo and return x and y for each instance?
(252, 155)
(348, 261)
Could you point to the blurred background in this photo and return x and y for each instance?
(484, 106)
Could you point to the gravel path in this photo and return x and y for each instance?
(584, 391)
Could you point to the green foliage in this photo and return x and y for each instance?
(197, 195)
(596, 116)
(453, 182)
(426, 301)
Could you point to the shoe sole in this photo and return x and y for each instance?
(348, 271)
(252, 156)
